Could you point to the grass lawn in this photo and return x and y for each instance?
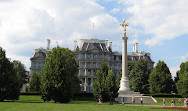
(34, 103)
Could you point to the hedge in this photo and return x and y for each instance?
(29, 93)
(163, 95)
(84, 95)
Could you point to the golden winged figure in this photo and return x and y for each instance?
(124, 25)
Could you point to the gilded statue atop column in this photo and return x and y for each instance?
(124, 25)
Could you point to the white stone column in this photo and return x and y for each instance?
(124, 83)
(86, 85)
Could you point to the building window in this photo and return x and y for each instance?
(117, 58)
(82, 64)
(82, 56)
(119, 67)
(89, 71)
(94, 64)
(94, 56)
(100, 56)
(114, 57)
(89, 81)
(83, 80)
(94, 72)
(89, 64)
(88, 56)
(115, 66)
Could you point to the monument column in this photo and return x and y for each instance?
(124, 83)
(124, 90)
(124, 57)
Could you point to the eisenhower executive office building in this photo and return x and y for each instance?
(89, 55)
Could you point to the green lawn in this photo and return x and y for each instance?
(34, 103)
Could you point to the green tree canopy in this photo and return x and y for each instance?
(160, 79)
(9, 82)
(138, 76)
(35, 82)
(105, 84)
(19, 69)
(59, 80)
(182, 81)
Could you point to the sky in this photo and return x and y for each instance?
(159, 26)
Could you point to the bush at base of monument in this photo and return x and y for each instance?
(9, 84)
(59, 80)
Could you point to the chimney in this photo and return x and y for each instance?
(48, 45)
(110, 45)
(75, 44)
(135, 48)
(81, 43)
(106, 42)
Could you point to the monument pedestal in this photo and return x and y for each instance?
(124, 89)
(124, 86)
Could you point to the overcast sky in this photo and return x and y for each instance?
(159, 26)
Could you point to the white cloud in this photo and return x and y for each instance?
(23, 59)
(173, 71)
(115, 10)
(163, 19)
(26, 24)
(184, 58)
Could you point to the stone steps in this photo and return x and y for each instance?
(146, 99)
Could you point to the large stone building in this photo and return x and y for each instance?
(89, 56)
(92, 51)
(38, 58)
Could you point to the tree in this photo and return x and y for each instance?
(182, 81)
(35, 82)
(105, 84)
(59, 80)
(160, 79)
(9, 85)
(19, 69)
(138, 76)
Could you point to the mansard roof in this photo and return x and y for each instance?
(95, 46)
(39, 53)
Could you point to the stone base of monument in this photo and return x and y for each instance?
(129, 93)
(128, 98)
